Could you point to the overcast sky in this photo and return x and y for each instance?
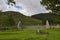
(26, 7)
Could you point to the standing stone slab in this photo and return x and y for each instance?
(58, 26)
(19, 26)
(47, 24)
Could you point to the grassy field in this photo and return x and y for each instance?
(30, 34)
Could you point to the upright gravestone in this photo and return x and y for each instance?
(19, 26)
(47, 24)
(38, 29)
(58, 26)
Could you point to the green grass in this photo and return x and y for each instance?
(29, 34)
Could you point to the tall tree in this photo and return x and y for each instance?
(53, 5)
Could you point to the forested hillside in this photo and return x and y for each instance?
(11, 18)
(52, 18)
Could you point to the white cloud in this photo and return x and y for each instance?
(30, 7)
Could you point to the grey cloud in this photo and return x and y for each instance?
(32, 6)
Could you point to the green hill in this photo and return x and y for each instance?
(52, 18)
(19, 17)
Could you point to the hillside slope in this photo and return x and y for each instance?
(52, 18)
(19, 17)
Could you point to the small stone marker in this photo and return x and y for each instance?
(38, 29)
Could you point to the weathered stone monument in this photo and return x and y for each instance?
(47, 24)
(38, 29)
(58, 26)
(19, 26)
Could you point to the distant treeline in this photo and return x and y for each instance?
(52, 18)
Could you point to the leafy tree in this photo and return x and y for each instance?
(7, 20)
(11, 1)
(53, 5)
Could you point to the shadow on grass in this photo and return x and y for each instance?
(37, 38)
(9, 33)
(10, 39)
